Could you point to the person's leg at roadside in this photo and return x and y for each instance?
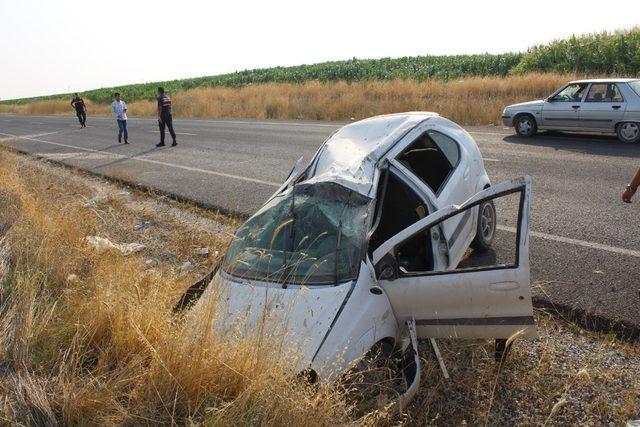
(169, 122)
(79, 114)
(84, 119)
(161, 125)
(120, 130)
(126, 135)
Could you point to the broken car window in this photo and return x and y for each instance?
(431, 157)
(311, 234)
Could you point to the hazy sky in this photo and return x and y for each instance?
(60, 46)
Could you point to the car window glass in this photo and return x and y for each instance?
(447, 145)
(312, 234)
(635, 85)
(401, 207)
(427, 161)
(615, 94)
(598, 93)
(571, 93)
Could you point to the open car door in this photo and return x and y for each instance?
(488, 294)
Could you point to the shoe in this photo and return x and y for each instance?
(174, 144)
(119, 141)
(126, 142)
(160, 144)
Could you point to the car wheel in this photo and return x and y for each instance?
(525, 125)
(628, 132)
(486, 228)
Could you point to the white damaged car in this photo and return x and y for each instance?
(391, 233)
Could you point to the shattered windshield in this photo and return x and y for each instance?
(310, 234)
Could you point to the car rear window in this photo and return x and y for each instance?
(635, 85)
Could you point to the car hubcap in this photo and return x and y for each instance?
(487, 222)
(524, 126)
(629, 131)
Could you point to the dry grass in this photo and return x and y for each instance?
(472, 101)
(91, 339)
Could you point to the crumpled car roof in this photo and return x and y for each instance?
(349, 157)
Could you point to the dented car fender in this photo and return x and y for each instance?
(365, 318)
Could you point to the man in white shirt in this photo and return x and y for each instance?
(119, 111)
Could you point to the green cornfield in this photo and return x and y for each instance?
(616, 53)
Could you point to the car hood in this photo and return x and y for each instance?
(299, 317)
(528, 104)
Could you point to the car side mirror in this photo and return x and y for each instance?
(550, 99)
(387, 268)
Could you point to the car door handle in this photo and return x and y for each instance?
(616, 107)
(575, 107)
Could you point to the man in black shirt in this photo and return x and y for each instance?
(81, 110)
(164, 117)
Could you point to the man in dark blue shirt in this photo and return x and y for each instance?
(164, 117)
(81, 110)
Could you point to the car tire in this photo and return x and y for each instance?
(525, 125)
(486, 227)
(628, 132)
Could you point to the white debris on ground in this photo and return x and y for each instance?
(184, 268)
(201, 251)
(102, 245)
(95, 200)
(141, 225)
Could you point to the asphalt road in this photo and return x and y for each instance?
(585, 245)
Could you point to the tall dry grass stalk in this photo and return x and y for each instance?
(92, 339)
(471, 101)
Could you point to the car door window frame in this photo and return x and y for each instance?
(615, 85)
(522, 189)
(427, 199)
(397, 163)
(552, 97)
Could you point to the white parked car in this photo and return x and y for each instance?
(369, 245)
(598, 105)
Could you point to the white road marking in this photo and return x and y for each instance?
(155, 162)
(177, 133)
(576, 242)
(489, 159)
(78, 155)
(489, 133)
(35, 135)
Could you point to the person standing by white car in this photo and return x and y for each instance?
(119, 111)
(632, 187)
